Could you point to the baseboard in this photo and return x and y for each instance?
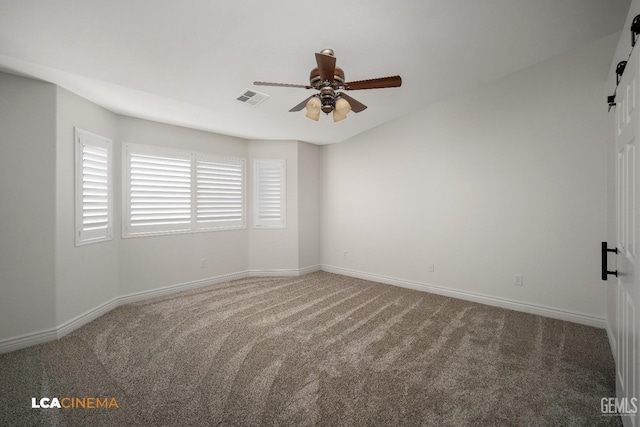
(41, 337)
(28, 340)
(84, 318)
(172, 289)
(309, 270)
(284, 272)
(554, 313)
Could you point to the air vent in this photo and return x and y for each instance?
(252, 97)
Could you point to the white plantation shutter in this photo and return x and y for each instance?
(158, 190)
(219, 192)
(269, 193)
(173, 191)
(94, 194)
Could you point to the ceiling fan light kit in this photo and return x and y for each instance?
(327, 78)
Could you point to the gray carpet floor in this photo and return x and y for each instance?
(320, 349)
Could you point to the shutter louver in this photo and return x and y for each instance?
(219, 193)
(270, 193)
(160, 193)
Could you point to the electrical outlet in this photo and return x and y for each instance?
(518, 279)
(432, 268)
(203, 263)
(344, 254)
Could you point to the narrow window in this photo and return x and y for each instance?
(94, 188)
(270, 193)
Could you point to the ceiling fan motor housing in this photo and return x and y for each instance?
(327, 88)
(316, 82)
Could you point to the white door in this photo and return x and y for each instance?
(627, 260)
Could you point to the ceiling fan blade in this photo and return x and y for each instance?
(379, 83)
(326, 66)
(301, 105)
(356, 106)
(281, 85)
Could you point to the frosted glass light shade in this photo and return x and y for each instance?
(313, 108)
(337, 116)
(342, 106)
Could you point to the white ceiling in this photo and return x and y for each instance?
(185, 62)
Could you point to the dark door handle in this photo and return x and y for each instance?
(605, 271)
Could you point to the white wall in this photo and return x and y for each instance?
(296, 248)
(510, 178)
(272, 249)
(86, 276)
(309, 189)
(148, 263)
(27, 205)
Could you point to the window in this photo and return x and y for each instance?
(94, 188)
(269, 193)
(172, 191)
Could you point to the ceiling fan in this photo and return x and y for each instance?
(328, 78)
